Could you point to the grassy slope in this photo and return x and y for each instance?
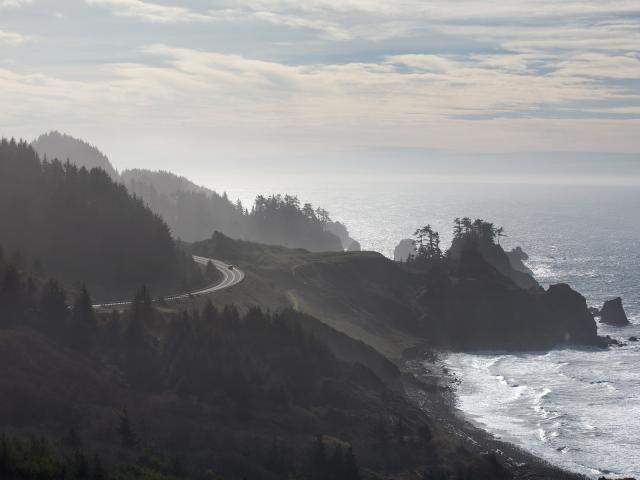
(361, 294)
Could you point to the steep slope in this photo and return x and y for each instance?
(207, 394)
(80, 226)
(460, 304)
(194, 213)
(64, 147)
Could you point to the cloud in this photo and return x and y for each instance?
(150, 12)
(462, 74)
(12, 38)
(14, 3)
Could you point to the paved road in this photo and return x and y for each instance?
(229, 279)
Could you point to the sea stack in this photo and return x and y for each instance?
(612, 313)
(403, 250)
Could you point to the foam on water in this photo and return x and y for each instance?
(579, 409)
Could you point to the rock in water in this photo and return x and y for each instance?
(517, 257)
(402, 251)
(612, 313)
(354, 247)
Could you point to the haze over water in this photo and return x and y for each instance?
(576, 408)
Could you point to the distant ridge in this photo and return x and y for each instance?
(193, 212)
(65, 147)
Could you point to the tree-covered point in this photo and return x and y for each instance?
(81, 227)
(194, 213)
(466, 234)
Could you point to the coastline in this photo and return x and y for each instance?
(428, 383)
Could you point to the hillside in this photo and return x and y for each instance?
(81, 227)
(193, 212)
(452, 303)
(64, 147)
(207, 394)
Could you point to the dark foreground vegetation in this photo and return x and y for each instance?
(212, 393)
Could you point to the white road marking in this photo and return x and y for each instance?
(229, 279)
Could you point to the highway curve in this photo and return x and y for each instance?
(230, 277)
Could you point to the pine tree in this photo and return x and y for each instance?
(83, 321)
(337, 463)
(128, 437)
(318, 461)
(98, 470)
(81, 466)
(351, 470)
(53, 309)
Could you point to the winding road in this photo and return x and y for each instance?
(230, 277)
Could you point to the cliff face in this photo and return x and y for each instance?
(479, 308)
(509, 265)
(403, 250)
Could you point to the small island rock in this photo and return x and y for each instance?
(354, 246)
(402, 251)
(612, 313)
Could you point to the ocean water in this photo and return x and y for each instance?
(579, 409)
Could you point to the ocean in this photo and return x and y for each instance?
(577, 408)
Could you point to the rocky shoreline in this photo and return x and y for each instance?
(431, 386)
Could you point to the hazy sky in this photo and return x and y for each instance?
(198, 84)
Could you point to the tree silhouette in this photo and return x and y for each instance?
(427, 243)
(83, 321)
(53, 308)
(128, 438)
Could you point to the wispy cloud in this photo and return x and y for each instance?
(12, 38)
(151, 12)
(477, 76)
(14, 3)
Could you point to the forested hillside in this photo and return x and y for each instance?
(81, 227)
(64, 147)
(211, 394)
(193, 212)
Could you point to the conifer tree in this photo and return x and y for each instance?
(53, 309)
(83, 321)
(128, 438)
(98, 470)
(351, 470)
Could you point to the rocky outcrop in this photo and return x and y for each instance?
(569, 315)
(340, 230)
(612, 313)
(354, 246)
(517, 257)
(495, 255)
(478, 308)
(402, 251)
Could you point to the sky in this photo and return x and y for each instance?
(317, 86)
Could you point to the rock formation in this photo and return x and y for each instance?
(517, 257)
(402, 251)
(612, 313)
(354, 246)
